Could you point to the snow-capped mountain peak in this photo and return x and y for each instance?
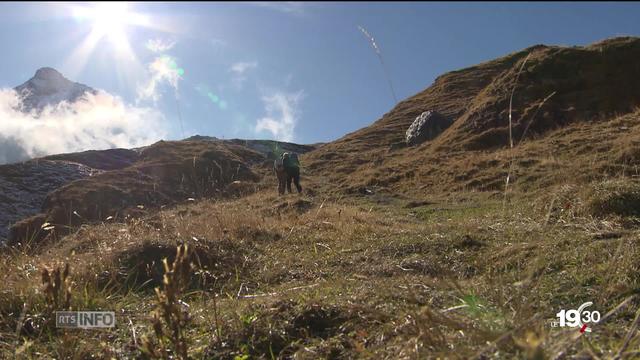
(49, 87)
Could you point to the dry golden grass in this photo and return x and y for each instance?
(359, 277)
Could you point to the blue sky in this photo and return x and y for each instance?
(288, 71)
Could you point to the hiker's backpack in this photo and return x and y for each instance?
(290, 160)
(294, 159)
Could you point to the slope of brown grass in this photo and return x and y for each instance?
(592, 85)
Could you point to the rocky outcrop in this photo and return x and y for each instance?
(426, 127)
(24, 186)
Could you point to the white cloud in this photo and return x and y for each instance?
(241, 67)
(162, 70)
(159, 45)
(240, 70)
(281, 115)
(99, 121)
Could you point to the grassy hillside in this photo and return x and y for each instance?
(589, 86)
(390, 253)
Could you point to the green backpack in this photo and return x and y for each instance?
(291, 161)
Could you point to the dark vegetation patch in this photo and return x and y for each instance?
(615, 197)
(285, 328)
(141, 268)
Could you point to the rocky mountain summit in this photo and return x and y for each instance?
(48, 87)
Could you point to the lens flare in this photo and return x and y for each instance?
(215, 99)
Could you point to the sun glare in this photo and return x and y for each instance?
(109, 26)
(109, 20)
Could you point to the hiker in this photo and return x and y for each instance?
(281, 174)
(292, 169)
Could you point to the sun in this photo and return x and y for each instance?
(109, 20)
(109, 26)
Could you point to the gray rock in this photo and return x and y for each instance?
(24, 186)
(426, 127)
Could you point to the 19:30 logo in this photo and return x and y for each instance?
(578, 318)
